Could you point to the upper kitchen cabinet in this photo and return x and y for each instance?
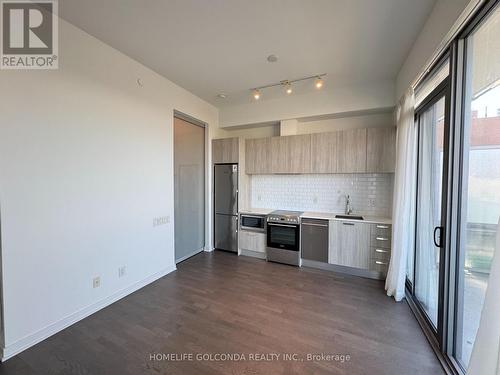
(299, 153)
(258, 156)
(324, 152)
(279, 153)
(381, 150)
(291, 154)
(225, 150)
(351, 151)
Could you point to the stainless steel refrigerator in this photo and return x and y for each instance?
(226, 207)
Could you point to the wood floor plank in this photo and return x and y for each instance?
(221, 303)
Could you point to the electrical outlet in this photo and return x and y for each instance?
(371, 203)
(121, 271)
(315, 200)
(96, 282)
(161, 220)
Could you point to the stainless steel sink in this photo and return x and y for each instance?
(351, 217)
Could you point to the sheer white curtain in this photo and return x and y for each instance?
(403, 211)
(429, 212)
(485, 359)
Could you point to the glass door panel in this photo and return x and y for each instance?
(480, 199)
(431, 123)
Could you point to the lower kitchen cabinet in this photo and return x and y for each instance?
(380, 247)
(349, 244)
(252, 241)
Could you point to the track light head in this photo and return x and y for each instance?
(318, 83)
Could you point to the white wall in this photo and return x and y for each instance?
(330, 101)
(86, 163)
(440, 21)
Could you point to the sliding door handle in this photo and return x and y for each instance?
(438, 242)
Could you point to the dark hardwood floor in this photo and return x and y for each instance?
(221, 303)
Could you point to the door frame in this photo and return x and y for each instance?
(206, 204)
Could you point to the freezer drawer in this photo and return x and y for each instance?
(226, 232)
(314, 236)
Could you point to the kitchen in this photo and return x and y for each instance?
(320, 200)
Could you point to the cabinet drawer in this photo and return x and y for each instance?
(378, 253)
(379, 265)
(383, 242)
(383, 230)
(252, 241)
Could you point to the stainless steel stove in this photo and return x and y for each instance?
(283, 237)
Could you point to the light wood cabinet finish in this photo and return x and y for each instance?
(381, 150)
(351, 151)
(349, 244)
(252, 241)
(225, 150)
(299, 153)
(279, 160)
(347, 151)
(258, 156)
(291, 154)
(380, 244)
(324, 152)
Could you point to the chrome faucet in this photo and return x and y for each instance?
(348, 207)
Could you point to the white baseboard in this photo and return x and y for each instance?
(33, 339)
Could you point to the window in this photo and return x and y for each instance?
(480, 197)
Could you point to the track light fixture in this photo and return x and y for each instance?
(287, 84)
(318, 83)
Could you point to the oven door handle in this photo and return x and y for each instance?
(282, 225)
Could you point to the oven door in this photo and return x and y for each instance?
(283, 236)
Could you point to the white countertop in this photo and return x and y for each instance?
(321, 215)
(256, 211)
(331, 216)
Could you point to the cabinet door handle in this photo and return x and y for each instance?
(382, 239)
(383, 226)
(381, 251)
(348, 223)
(381, 263)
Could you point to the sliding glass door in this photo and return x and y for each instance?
(432, 155)
(458, 188)
(479, 198)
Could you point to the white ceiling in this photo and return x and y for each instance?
(213, 46)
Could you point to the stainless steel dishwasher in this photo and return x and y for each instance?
(314, 239)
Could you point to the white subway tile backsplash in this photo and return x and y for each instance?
(371, 194)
